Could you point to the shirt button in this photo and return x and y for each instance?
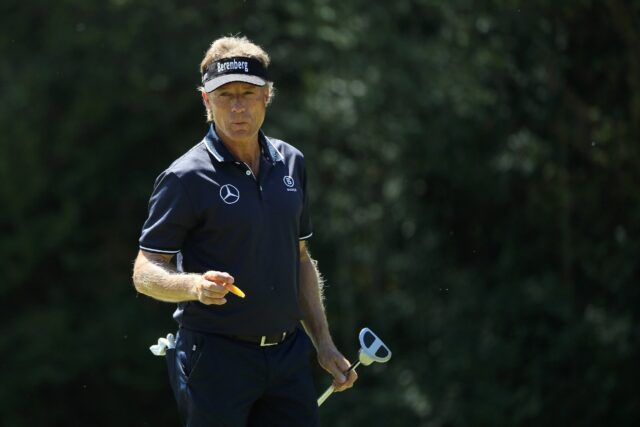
(248, 172)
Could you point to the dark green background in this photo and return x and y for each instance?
(473, 171)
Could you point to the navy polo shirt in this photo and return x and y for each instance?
(214, 214)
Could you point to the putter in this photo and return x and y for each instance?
(372, 349)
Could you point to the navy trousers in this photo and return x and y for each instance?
(220, 381)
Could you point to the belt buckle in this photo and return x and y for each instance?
(264, 343)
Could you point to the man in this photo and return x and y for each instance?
(233, 211)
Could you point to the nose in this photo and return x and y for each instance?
(237, 104)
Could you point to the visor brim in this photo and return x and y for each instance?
(216, 82)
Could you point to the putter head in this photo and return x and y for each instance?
(372, 349)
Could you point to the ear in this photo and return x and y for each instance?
(205, 97)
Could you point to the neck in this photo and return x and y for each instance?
(246, 151)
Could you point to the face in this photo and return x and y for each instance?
(238, 110)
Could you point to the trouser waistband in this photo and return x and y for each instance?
(265, 340)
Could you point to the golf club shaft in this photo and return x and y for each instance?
(331, 388)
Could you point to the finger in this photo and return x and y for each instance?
(338, 376)
(351, 379)
(342, 385)
(343, 364)
(210, 293)
(212, 286)
(210, 296)
(346, 378)
(213, 301)
(219, 277)
(213, 289)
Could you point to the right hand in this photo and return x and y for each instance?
(209, 288)
(337, 365)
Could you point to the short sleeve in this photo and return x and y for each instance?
(306, 228)
(171, 216)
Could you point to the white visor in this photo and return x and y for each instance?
(216, 82)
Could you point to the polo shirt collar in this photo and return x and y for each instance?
(221, 154)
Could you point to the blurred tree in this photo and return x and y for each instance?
(472, 167)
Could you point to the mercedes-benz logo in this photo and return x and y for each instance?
(229, 194)
(288, 181)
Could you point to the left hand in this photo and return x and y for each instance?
(336, 364)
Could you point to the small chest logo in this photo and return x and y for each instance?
(288, 181)
(229, 194)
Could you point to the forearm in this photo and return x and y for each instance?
(311, 302)
(156, 277)
(315, 323)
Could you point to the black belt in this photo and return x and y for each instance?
(265, 340)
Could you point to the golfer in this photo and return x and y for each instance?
(225, 239)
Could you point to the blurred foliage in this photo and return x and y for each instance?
(473, 168)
